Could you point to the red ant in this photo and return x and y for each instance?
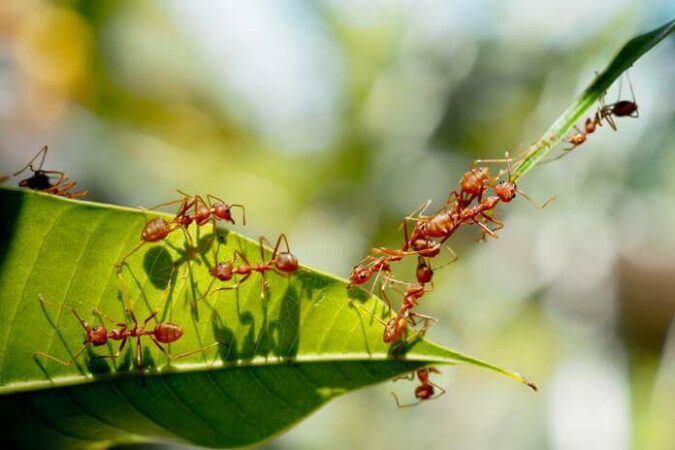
(98, 335)
(443, 224)
(396, 327)
(158, 229)
(426, 389)
(281, 261)
(213, 208)
(41, 181)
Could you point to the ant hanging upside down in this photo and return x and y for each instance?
(426, 389)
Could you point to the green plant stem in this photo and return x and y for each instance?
(626, 57)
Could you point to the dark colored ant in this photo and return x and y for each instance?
(98, 335)
(41, 179)
(426, 389)
(283, 262)
(620, 108)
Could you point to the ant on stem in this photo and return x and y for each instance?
(426, 389)
(41, 181)
(282, 262)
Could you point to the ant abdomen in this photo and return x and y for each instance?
(473, 181)
(166, 333)
(624, 108)
(286, 262)
(155, 230)
(438, 226)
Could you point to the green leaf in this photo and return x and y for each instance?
(630, 53)
(280, 358)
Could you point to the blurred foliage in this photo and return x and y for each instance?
(331, 120)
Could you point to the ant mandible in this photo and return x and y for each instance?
(283, 262)
(426, 389)
(41, 179)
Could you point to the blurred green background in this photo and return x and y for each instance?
(331, 120)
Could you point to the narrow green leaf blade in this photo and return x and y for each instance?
(626, 57)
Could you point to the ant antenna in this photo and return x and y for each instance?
(398, 403)
(43, 153)
(535, 204)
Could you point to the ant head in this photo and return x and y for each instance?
(360, 274)
(223, 212)
(286, 262)
(222, 271)
(506, 191)
(424, 391)
(97, 336)
(424, 272)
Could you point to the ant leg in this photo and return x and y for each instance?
(62, 189)
(68, 362)
(369, 312)
(180, 355)
(234, 286)
(486, 230)
(84, 324)
(104, 316)
(116, 354)
(453, 257)
(400, 405)
(498, 225)
(139, 355)
(427, 322)
(535, 204)
(409, 377)
(149, 318)
(43, 152)
(243, 212)
(120, 263)
(263, 286)
(443, 391)
(55, 187)
(75, 195)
